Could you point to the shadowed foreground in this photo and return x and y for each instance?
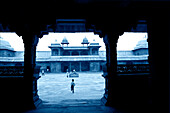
(75, 106)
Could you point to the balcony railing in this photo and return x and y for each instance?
(135, 68)
(11, 70)
(16, 70)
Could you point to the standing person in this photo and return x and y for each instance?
(72, 85)
(42, 72)
(67, 73)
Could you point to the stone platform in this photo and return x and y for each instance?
(75, 106)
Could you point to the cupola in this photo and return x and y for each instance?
(5, 45)
(64, 41)
(85, 41)
(142, 44)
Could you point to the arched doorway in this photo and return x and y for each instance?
(89, 82)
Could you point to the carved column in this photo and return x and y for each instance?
(30, 43)
(80, 66)
(110, 41)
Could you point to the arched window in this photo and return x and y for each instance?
(55, 52)
(94, 51)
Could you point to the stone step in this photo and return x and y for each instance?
(74, 102)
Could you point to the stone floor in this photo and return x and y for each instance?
(54, 91)
(53, 87)
(75, 106)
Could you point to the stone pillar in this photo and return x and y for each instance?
(70, 53)
(30, 43)
(70, 66)
(59, 54)
(110, 41)
(80, 66)
(159, 58)
(90, 51)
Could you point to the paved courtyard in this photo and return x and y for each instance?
(55, 87)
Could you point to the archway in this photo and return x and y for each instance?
(133, 68)
(110, 25)
(56, 84)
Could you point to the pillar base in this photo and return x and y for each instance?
(104, 99)
(37, 102)
(107, 101)
(32, 105)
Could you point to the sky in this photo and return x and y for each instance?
(126, 42)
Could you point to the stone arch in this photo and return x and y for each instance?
(94, 51)
(55, 52)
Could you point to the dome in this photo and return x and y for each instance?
(56, 44)
(64, 41)
(85, 41)
(141, 44)
(5, 44)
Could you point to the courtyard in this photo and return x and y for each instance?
(53, 88)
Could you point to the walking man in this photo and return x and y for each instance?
(72, 85)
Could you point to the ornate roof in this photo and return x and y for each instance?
(5, 45)
(85, 41)
(64, 41)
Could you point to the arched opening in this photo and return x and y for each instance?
(11, 68)
(55, 52)
(133, 67)
(95, 51)
(66, 53)
(27, 22)
(54, 86)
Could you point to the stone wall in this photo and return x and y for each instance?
(43, 65)
(94, 66)
(143, 51)
(55, 67)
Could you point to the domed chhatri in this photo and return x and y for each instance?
(85, 41)
(65, 41)
(5, 45)
(142, 44)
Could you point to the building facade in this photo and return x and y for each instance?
(63, 57)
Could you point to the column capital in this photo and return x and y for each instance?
(30, 39)
(110, 39)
